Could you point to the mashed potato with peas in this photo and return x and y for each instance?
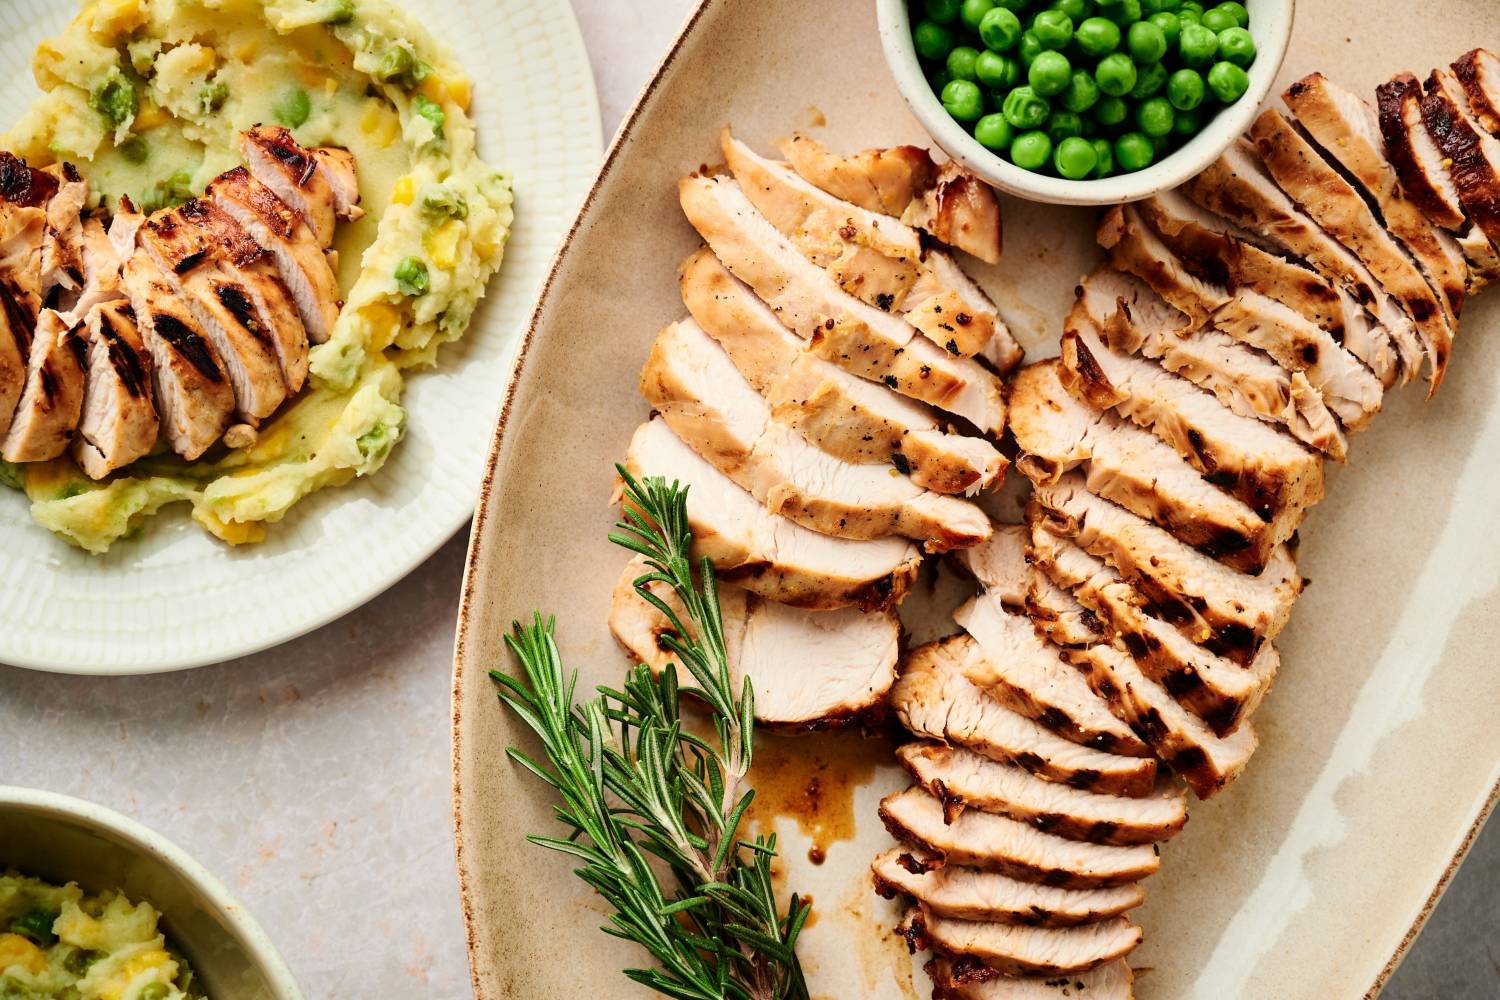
(56, 943)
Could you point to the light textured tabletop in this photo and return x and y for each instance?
(313, 779)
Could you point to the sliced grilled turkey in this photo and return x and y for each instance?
(52, 399)
(994, 843)
(691, 382)
(1206, 762)
(870, 256)
(999, 564)
(972, 894)
(1058, 615)
(1346, 131)
(62, 248)
(285, 235)
(1414, 152)
(1133, 319)
(1471, 155)
(946, 303)
(1237, 186)
(101, 269)
(965, 780)
(24, 193)
(1026, 674)
(1350, 389)
(839, 328)
(1015, 950)
(289, 169)
(1332, 202)
(934, 698)
(1268, 470)
(338, 168)
(960, 210)
(192, 389)
(241, 258)
(1231, 613)
(844, 415)
(768, 554)
(1133, 468)
(1223, 694)
(966, 979)
(808, 669)
(118, 423)
(880, 180)
(224, 311)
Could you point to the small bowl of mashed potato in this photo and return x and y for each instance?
(94, 906)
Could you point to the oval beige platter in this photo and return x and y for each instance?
(1379, 754)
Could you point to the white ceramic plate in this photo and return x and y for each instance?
(1379, 750)
(175, 598)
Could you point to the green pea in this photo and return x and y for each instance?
(994, 132)
(1104, 157)
(213, 96)
(1000, 30)
(440, 203)
(942, 11)
(1053, 29)
(1029, 48)
(996, 71)
(1076, 10)
(1236, 46)
(135, 150)
(1194, 6)
(1237, 11)
(1116, 74)
(1228, 82)
(1030, 150)
(1217, 20)
(1134, 151)
(79, 960)
(1147, 43)
(1155, 116)
(963, 100)
(1082, 92)
(1075, 158)
(973, 11)
(36, 924)
(1125, 12)
(1187, 17)
(1198, 45)
(1097, 36)
(1025, 109)
(412, 277)
(1063, 124)
(114, 99)
(932, 40)
(432, 111)
(960, 64)
(1185, 89)
(1149, 82)
(1049, 74)
(154, 991)
(1171, 27)
(293, 109)
(1188, 122)
(1111, 111)
(396, 63)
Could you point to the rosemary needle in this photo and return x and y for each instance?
(652, 810)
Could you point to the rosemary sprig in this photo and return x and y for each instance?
(653, 810)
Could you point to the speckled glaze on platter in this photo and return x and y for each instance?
(175, 598)
(1379, 755)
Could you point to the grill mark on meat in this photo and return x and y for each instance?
(22, 321)
(23, 186)
(281, 147)
(125, 361)
(233, 298)
(1470, 170)
(188, 344)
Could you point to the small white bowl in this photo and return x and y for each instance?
(1270, 26)
(61, 839)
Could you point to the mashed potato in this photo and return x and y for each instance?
(55, 942)
(147, 98)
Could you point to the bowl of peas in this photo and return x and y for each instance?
(1085, 102)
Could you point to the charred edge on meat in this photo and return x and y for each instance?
(122, 357)
(188, 344)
